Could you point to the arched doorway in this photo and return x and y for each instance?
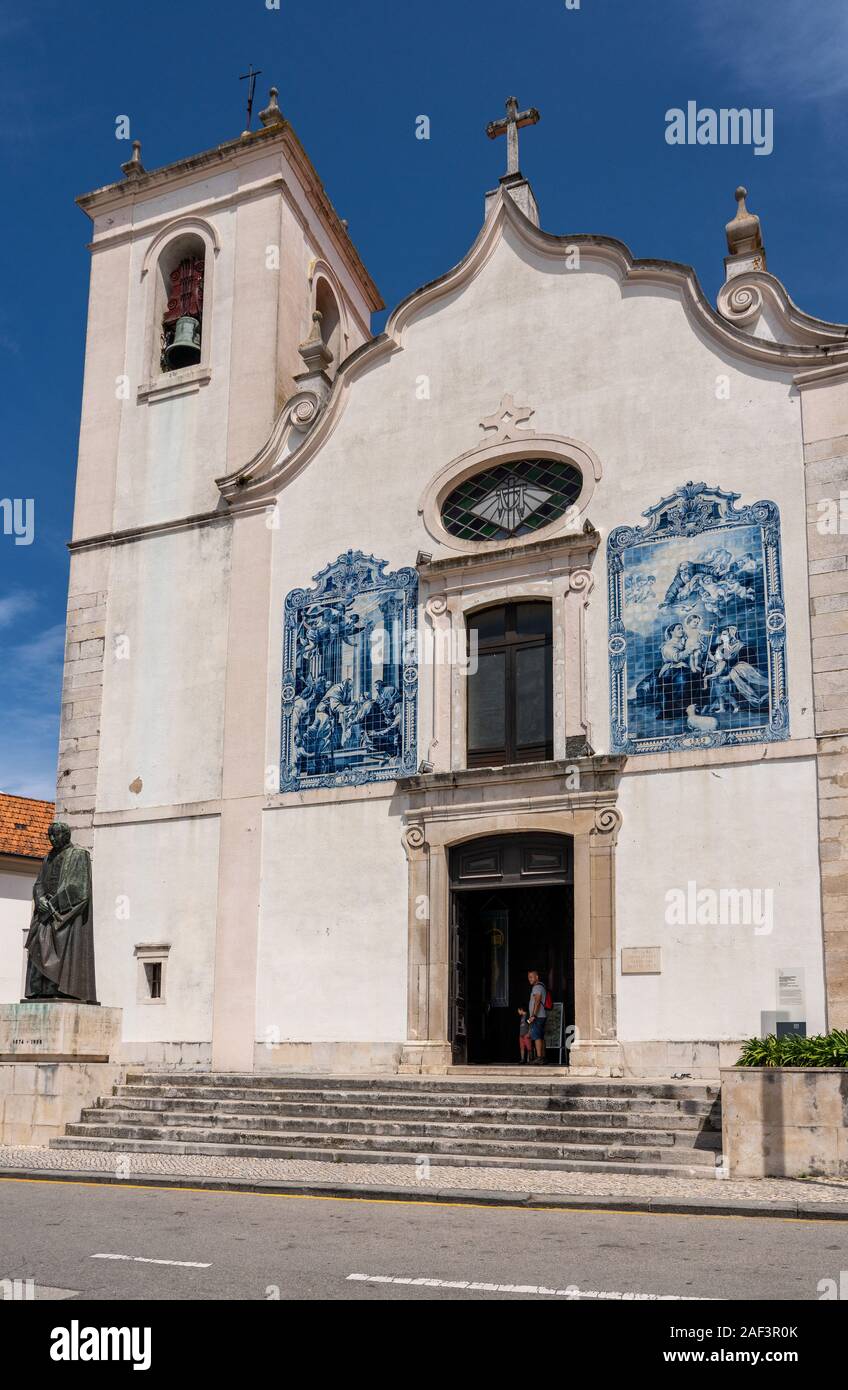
(512, 910)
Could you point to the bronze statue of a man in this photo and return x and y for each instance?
(60, 944)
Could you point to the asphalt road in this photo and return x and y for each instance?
(99, 1242)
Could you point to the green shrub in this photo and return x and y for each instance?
(823, 1050)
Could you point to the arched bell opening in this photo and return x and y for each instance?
(182, 267)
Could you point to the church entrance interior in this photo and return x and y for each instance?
(511, 911)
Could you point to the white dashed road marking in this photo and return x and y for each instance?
(144, 1260)
(540, 1290)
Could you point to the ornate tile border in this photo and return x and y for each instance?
(341, 725)
(655, 671)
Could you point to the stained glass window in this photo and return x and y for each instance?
(511, 499)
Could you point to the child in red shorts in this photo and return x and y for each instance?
(525, 1042)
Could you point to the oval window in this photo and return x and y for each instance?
(511, 499)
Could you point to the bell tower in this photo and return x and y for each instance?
(205, 278)
(215, 281)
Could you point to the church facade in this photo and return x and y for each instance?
(511, 638)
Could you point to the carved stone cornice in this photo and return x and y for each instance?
(569, 553)
(585, 786)
(278, 134)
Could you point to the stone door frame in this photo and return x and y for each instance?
(431, 833)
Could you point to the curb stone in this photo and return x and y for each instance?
(657, 1206)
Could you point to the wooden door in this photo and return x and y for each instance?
(458, 979)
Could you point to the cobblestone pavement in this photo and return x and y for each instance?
(135, 1166)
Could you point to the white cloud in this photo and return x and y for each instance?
(14, 605)
(32, 773)
(799, 47)
(41, 653)
(30, 686)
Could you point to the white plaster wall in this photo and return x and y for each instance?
(15, 914)
(163, 703)
(741, 826)
(332, 945)
(156, 882)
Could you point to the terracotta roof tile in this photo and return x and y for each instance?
(23, 826)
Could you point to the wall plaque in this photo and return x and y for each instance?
(790, 990)
(640, 960)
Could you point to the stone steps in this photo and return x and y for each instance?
(519, 1122)
(527, 1081)
(305, 1101)
(596, 1164)
(490, 1113)
(143, 1125)
(395, 1149)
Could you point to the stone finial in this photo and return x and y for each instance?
(314, 384)
(744, 236)
(133, 169)
(272, 115)
(314, 350)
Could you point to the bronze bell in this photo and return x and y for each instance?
(184, 350)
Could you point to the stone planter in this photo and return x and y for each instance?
(785, 1121)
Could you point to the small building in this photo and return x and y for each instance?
(23, 845)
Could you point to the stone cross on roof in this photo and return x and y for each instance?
(509, 127)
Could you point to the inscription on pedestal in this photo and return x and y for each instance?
(58, 1031)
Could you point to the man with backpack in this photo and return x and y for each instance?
(536, 1015)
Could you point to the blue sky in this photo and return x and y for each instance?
(352, 79)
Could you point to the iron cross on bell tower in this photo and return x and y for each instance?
(509, 127)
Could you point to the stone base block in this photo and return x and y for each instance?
(59, 1031)
(165, 1056)
(701, 1060)
(417, 1058)
(601, 1057)
(328, 1058)
(37, 1099)
(785, 1121)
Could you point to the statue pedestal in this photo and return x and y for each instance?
(56, 1058)
(58, 1031)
